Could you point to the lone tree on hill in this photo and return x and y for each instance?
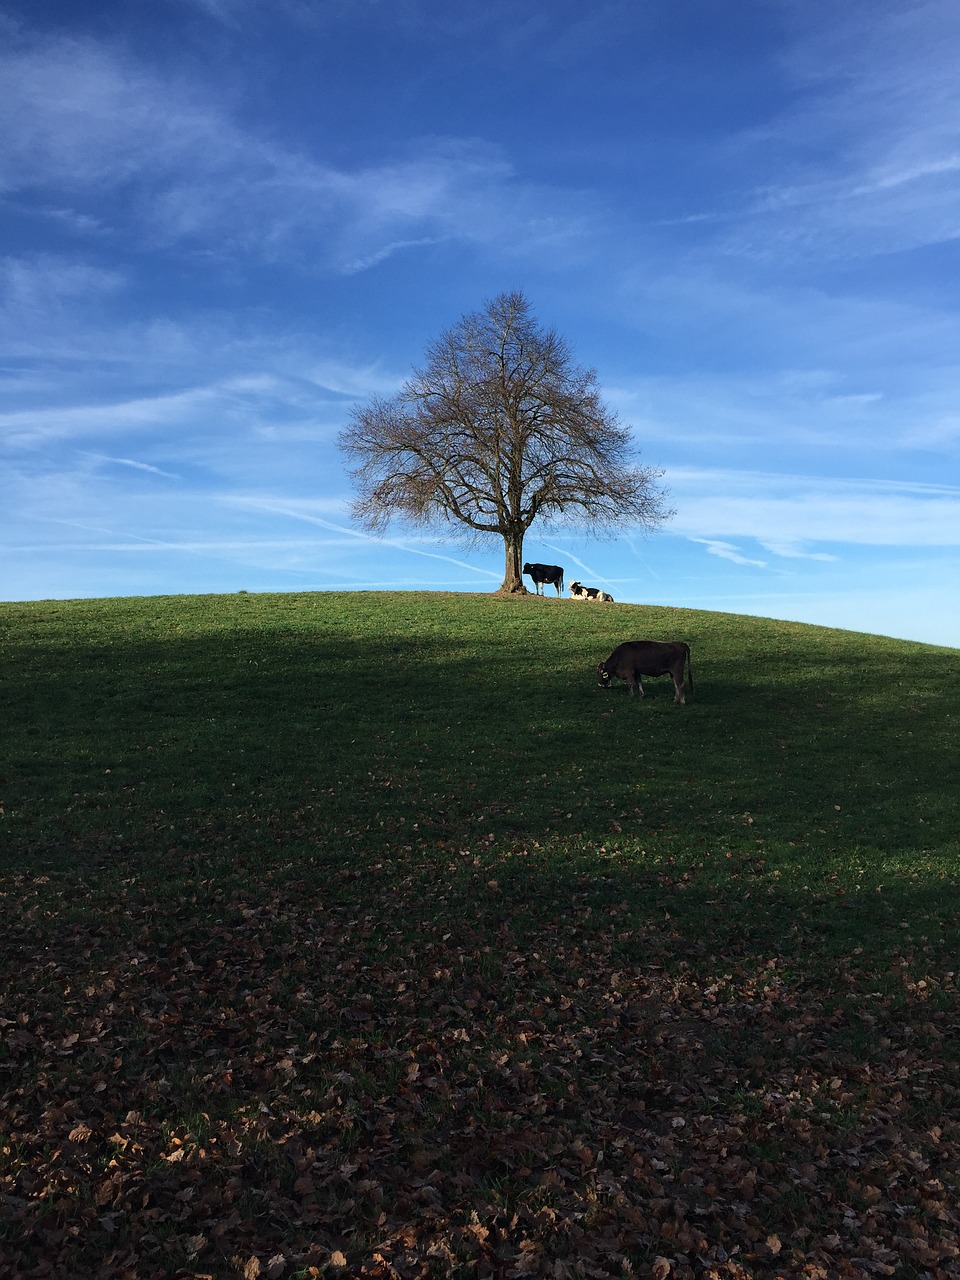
(499, 428)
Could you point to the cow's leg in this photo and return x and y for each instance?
(678, 691)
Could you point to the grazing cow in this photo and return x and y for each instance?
(634, 659)
(580, 592)
(545, 573)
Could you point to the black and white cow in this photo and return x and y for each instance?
(634, 659)
(580, 592)
(552, 574)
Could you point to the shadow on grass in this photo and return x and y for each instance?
(307, 736)
(289, 902)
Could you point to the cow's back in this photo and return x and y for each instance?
(643, 657)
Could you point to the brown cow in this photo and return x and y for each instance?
(634, 659)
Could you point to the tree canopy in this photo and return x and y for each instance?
(499, 428)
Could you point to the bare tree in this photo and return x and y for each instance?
(499, 428)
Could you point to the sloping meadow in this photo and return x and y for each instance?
(363, 933)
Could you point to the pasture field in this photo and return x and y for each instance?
(363, 934)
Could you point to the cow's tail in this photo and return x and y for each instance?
(560, 588)
(689, 668)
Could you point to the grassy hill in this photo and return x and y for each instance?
(363, 933)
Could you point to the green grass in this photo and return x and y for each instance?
(811, 763)
(482, 908)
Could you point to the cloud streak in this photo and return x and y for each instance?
(399, 544)
(727, 551)
(136, 466)
(128, 144)
(788, 513)
(869, 149)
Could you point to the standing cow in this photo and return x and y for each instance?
(545, 573)
(634, 659)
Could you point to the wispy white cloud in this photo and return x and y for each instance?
(267, 405)
(28, 428)
(69, 342)
(868, 151)
(883, 115)
(169, 158)
(298, 512)
(727, 551)
(43, 283)
(781, 511)
(137, 466)
(349, 380)
(386, 251)
(888, 177)
(132, 543)
(227, 11)
(794, 551)
(592, 574)
(835, 378)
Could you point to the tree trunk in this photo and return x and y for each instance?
(513, 571)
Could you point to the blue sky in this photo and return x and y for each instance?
(225, 222)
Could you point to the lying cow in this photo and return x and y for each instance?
(552, 574)
(580, 592)
(634, 659)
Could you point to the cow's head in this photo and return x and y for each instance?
(604, 678)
